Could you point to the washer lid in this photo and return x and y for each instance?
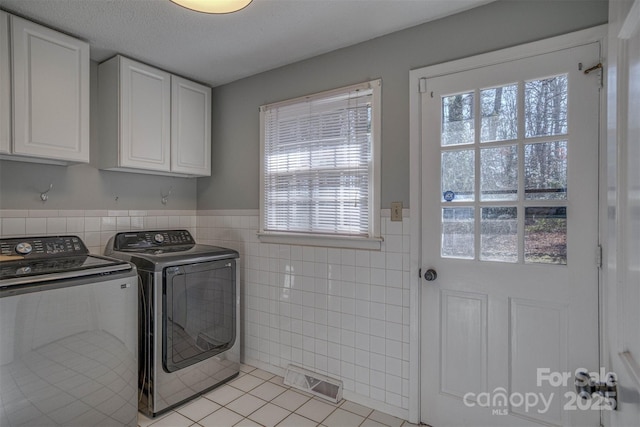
(31, 271)
(26, 260)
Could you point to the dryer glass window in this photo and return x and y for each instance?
(199, 309)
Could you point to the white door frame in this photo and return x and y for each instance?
(621, 264)
(566, 41)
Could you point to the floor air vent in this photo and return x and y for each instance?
(321, 386)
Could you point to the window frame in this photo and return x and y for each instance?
(374, 240)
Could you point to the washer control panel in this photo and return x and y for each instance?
(152, 239)
(42, 247)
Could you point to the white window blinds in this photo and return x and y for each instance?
(318, 168)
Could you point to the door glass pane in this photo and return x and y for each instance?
(458, 227)
(499, 173)
(499, 234)
(457, 119)
(545, 106)
(458, 175)
(545, 239)
(499, 107)
(545, 166)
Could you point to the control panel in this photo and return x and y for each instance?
(42, 247)
(152, 239)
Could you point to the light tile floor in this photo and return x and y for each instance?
(260, 399)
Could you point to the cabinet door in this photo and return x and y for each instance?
(190, 127)
(145, 99)
(5, 85)
(50, 93)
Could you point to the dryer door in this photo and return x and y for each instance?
(199, 312)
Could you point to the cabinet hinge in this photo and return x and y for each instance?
(599, 256)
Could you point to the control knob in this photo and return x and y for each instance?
(24, 248)
(158, 238)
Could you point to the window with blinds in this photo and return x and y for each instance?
(319, 173)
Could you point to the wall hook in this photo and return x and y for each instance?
(165, 197)
(44, 196)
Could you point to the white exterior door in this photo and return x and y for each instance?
(510, 226)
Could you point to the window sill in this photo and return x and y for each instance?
(343, 242)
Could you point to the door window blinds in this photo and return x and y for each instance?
(318, 168)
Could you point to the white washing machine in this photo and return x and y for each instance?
(68, 335)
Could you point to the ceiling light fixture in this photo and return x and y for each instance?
(213, 6)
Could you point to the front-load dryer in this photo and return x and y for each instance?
(188, 315)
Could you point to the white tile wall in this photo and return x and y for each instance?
(339, 312)
(94, 227)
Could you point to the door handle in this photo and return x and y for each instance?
(588, 386)
(430, 275)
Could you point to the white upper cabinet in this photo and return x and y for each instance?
(135, 117)
(50, 81)
(151, 121)
(190, 127)
(5, 86)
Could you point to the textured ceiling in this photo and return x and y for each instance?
(217, 49)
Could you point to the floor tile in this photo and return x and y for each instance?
(246, 383)
(356, 409)
(198, 409)
(315, 410)
(246, 368)
(370, 423)
(221, 418)
(258, 398)
(173, 420)
(386, 419)
(291, 400)
(144, 421)
(329, 402)
(302, 392)
(279, 381)
(269, 415)
(245, 405)
(342, 418)
(247, 423)
(223, 395)
(295, 420)
(267, 391)
(262, 374)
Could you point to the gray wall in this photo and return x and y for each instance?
(85, 187)
(235, 127)
(234, 183)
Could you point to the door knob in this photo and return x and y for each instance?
(430, 275)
